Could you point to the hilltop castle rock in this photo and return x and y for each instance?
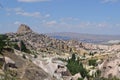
(24, 29)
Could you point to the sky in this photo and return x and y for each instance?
(47, 16)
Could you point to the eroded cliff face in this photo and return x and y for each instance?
(110, 66)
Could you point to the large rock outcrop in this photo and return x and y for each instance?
(23, 29)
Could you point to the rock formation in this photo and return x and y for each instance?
(111, 66)
(48, 50)
(24, 28)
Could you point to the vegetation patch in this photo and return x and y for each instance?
(75, 66)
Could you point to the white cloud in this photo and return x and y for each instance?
(33, 0)
(94, 24)
(20, 11)
(109, 1)
(34, 14)
(102, 25)
(51, 23)
(79, 24)
(14, 9)
(69, 19)
(17, 23)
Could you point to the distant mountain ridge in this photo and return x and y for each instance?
(89, 38)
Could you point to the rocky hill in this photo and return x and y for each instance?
(36, 56)
(38, 42)
(39, 60)
(41, 42)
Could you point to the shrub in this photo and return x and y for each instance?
(35, 56)
(16, 46)
(92, 62)
(23, 47)
(24, 56)
(75, 66)
(80, 79)
(2, 42)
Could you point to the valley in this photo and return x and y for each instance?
(27, 55)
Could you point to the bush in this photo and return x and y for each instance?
(23, 48)
(1, 64)
(16, 46)
(2, 42)
(92, 62)
(24, 56)
(10, 75)
(35, 56)
(98, 73)
(75, 66)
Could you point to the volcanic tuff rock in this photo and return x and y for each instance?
(24, 28)
(111, 66)
(25, 69)
(38, 42)
(41, 42)
(46, 48)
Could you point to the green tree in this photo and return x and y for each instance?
(75, 66)
(3, 39)
(2, 42)
(16, 46)
(92, 62)
(98, 73)
(23, 47)
(73, 57)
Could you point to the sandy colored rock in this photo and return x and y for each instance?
(23, 29)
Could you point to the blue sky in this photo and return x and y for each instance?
(45, 16)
